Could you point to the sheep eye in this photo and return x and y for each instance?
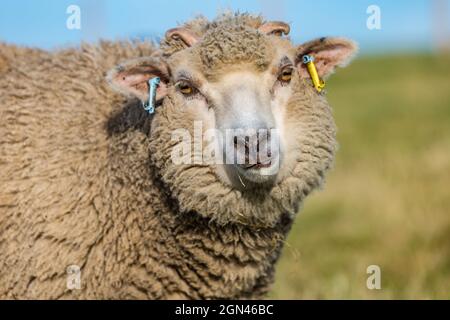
(286, 75)
(185, 88)
(277, 33)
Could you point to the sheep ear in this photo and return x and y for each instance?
(328, 54)
(131, 78)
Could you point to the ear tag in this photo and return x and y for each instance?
(318, 83)
(152, 86)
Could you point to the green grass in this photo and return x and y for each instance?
(387, 201)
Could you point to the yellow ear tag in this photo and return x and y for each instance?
(318, 83)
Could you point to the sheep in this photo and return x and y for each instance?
(87, 175)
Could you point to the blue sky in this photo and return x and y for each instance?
(405, 25)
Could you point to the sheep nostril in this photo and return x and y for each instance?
(253, 149)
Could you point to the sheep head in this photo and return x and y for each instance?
(259, 136)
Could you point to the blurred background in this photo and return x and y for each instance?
(387, 201)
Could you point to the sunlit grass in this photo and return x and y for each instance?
(387, 201)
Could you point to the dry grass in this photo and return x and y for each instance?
(387, 202)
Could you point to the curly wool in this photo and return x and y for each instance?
(232, 43)
(200, 25)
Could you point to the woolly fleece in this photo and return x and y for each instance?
(86, 179)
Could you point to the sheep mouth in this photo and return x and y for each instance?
(260, 173)
(257, 166)
(262, 160)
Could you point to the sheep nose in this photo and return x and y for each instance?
(252, 147)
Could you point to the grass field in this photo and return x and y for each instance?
(387, 201)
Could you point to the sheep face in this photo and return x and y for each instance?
(240, 102)
(239, 97)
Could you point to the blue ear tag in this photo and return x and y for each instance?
(149, 106)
